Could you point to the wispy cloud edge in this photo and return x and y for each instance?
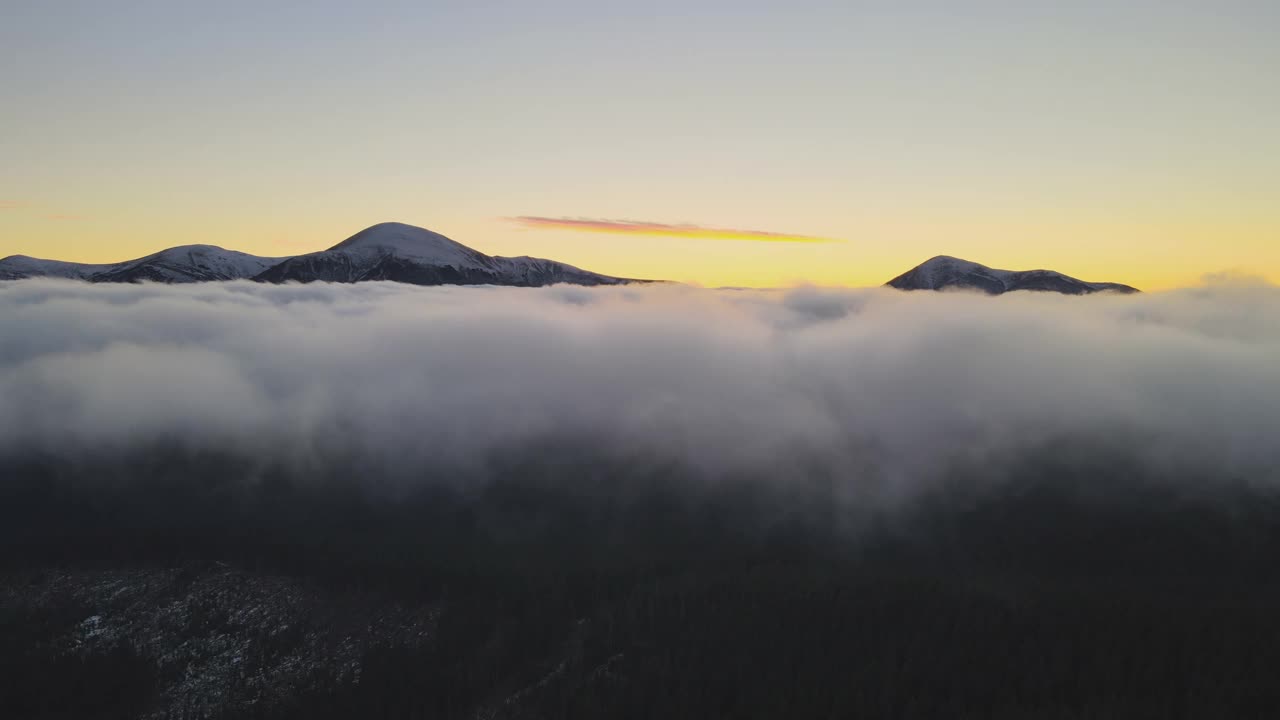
(638, 227)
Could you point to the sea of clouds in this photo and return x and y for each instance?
(875, 390)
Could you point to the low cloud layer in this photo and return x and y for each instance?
(876, 392)
(638, 227)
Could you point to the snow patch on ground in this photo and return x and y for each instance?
(225, 639)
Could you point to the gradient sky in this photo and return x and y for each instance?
(1129, 141)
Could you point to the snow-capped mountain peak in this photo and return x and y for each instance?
(408, 241)
(409, 254)
(937, 271)
(189, 263)
(943, 271)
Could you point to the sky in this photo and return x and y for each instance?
(739, 143)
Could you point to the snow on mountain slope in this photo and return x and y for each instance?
(944, 272)
(408, 241)
(17, 267)
(388, 251)
(189, 263)
(536, 271)
(408, 254)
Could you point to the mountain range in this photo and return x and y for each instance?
(387, 251)
(404, 253)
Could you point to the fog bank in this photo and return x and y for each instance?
(876, 392)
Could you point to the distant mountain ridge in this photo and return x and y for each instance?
(944, 272)
(387, 251)
(188, 263)
(17, 267)
(407, 254)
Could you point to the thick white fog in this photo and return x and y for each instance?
(879, 390)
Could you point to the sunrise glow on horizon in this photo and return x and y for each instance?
(758, 144)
